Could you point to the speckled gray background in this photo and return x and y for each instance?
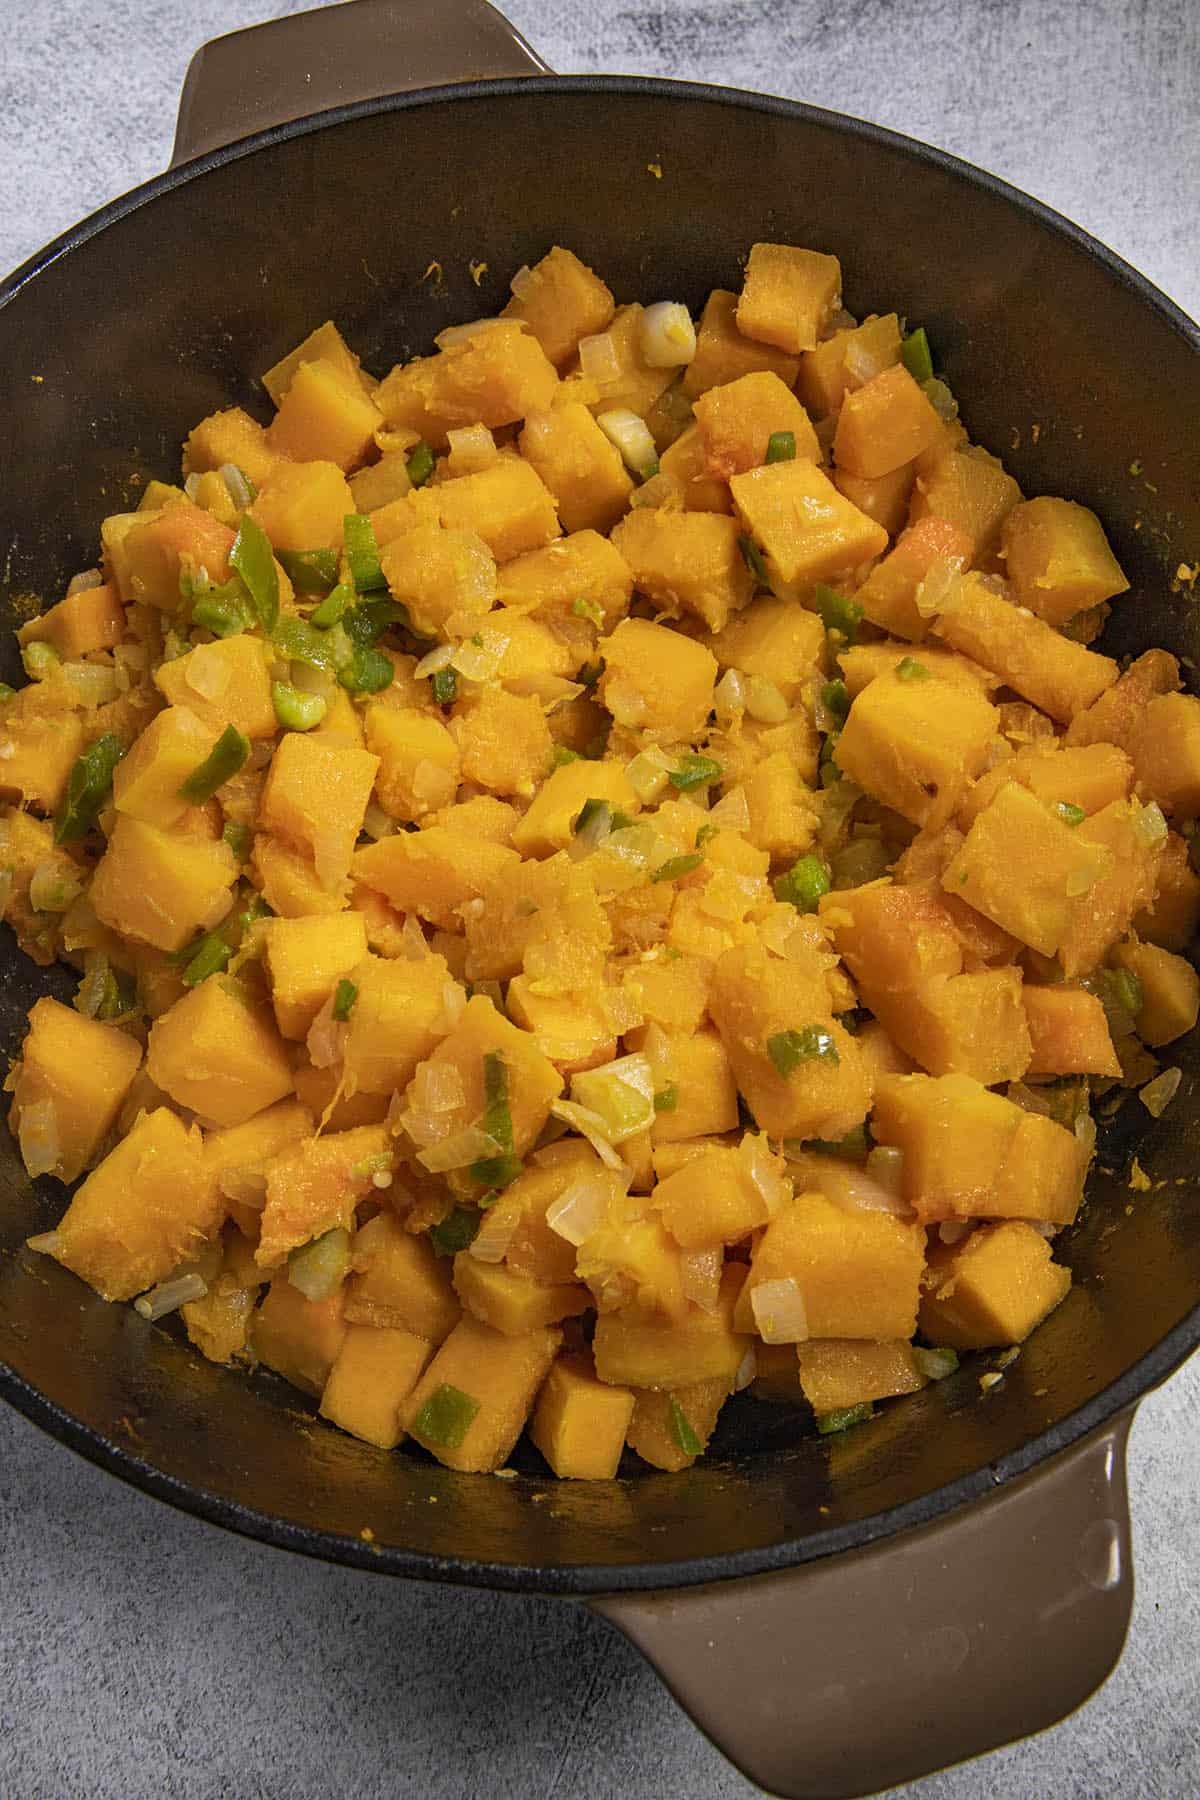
(143, 1655)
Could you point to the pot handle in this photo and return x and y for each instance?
(861, 1672)
(309, 61)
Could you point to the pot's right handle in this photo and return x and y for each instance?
(860, 1672)
(309, 61)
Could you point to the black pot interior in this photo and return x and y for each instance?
(1063, 365)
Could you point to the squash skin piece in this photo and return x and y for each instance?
(1069, 1033)
(1170, 992)
(147, 780)
(325, 416)
(579, 1423)
(432, 872)
(561, 301)
(788, 296)
(915, 745)
(214, 1054)
(723, 352)
(511, 1303)
(840, 1372)
(315, 798)
(657, 682)
(579, 465)
(686, 561)
(884, 424)
(807, 530)
(738, 418)
(150, 1205)
(1165, 748)
(305, 959)
(314, 1185)
(991, 1289)
(82, 1069)
(300, 1339)
(651, 1431)
(399, 1282)
(970, 489)
(858, 1272)
(224, 683)
(161, 888)
(375, 1371)
(396, 1021)
(1058, 559)
(502, 1373)
(634, 1349)
(580, 566)
(969, 1153)
(91, 619)
(1055, 675)
(888, 595)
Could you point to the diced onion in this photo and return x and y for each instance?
(168, 1296)
(666, 335)
(779, 1312)
(939, 591)
(309, 681)
(1158, 1094)
(191, 486)
(95, 684)
(481, 662)
(648, 774)
(522, 281)
(746, 1371)
(1085, 1130)
(935, 1365)
(471, 450)
(1150, 827)
(941, 399)
(700, 1278)
(462, 334)
(582, 1207)
(764, 701)
(846, 1184)
(38, 1136)
(953, 1231)
(460, 1150)
(441, 658)
(732, 813)
(239, 487)
(861, 363)
(46, 1243)
(326, 1040)
(632, 438)
(376, 823)
(663, 492)
(437, 1087)
(414, 946)
(885, 1165)
(598, 359)
(209, 672)
(767, 1173)
(54, 887)
(620, 1094)
(454, 1005)
(318, 1269)
(729, 695)
(86, 579)
(589, 1125)
(496, 1232)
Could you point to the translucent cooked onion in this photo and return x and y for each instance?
(471, 450)
(590, 1126)
(666, 335)
(1150, 827)
(454, 1005)
(1158, 1094)
(729, 695)
(885, 1165)
(497, 1229)
(598, 359)
(620, 1094)
(862, 364)
(522, 282)
(700, 1278)
(462, 334)
(208, 671)
(459, 1151)
(437, 659)
(935, 1365)
(747, 1370)
(326, 1040)
(847, 1185)
(437, 1087)
(648, 774)
(239, 488)
(54, 887)
(732, 813)
(318, 1269)
(376, 823)
(631, 436)
(767, 1172)
(941, 399)
(582, 1207)
(309, 681)
(46, 1243)
(780, 1314)
(86, 579)
(414, 946)
(939, 591)
(1085, 1129)
(953, 1231)
(481, 662)
(38, 1136)
(94, 684)
(191, 486)
(169, 1296)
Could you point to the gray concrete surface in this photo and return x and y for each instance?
(145, 1655)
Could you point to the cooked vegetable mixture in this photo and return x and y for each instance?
(604, 870)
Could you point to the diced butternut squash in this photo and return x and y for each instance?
(718, 1197)
(789, 296)
(470, 1405)
(857, 1273)
(37, 753)
(325, 344)
(492, 376)
(992, 1288)
(968, 1024)
(970, 490)
(805, 529)
(1058, 676)
(684, 464)
(580, 1422)
(181, 540)
(1166, 754)
(664, 1421)
(218, 1324)
(697, 1092)
(90, 619)
(1174, 917)
(884, 498)
(440, 575)
(512, 1303)
(583, 566)
(504, 741)
(656, 681)
(432, 872)
(776, 639)
(313, 1186)
(1069, 1033)
(400, 1011)
(419, 761)
(237, 1156)
(321, 1091)
(579, 465)
(218, 1055)
(889, 595)
(737, 420)
(1103, 915)
(161, 888)
(638, 1350)
(315, 798)
(637, 385)
(372, 1376)
(686, 562)
(325, 415)
(1058, 559)
(300, 1339)
(915, 745)
(561, 300)
(884, 424)
(223, 683)
(399, 1283)
(861, 663)
(892, 939)
(723, 352)
(969, 1153)
(289, 881)
(68, 1087)
(231, 436)
(149, 1206)
(305, 959)
(842, 1372)
(1170, 991)
(1116, 717)
(549, 824)
(303, 505)
(146, 782)
(573, 1030)
(533, 1081)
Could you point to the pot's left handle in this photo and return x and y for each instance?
(309, 61)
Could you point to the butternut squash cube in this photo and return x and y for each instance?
(639, 1350)
(888, 596)
(533, 1081)
(637, 385)
(37, 754)
(892, 939)
(656, 681)
(841, 1372)
(321, 1091)
(579, 1423)
(915, 745)
(805, 529)
(694, 1073)
(237, 1157)
(419, 762)
(224, 683)
(68, 1087)
(884, 498)
(684, 464)
(439, 575)
(388, 479)
(583, 566)
(968, 1024)
(300, 1339)
(561, 300)
(737, 420)
(399, 1283)
(91, 619)
(398, 1017)
(534, 1249)
(213, 1053)
(1116, 717)
(325, 416)
(969, 1153)
(305, 959)
(715, 1199)
(492, 376)
(993, 1288)
(861, 663)
(314, 1186)
(970, 489)
(218, 1324)
(326, 344)
(660, 1418)
(579, 465)
(1170, 991)
(303, 505)
(573, 1030)
(372, 1376)
(432, 872)
(789, 296)
(231, 436)
(548, 826)
(1173, 918)
(723, 352)
(687, 562)
(503, 740)
(149, 1206)
(182, 539)
(858, 1273)
(773, 638)
(1069, 1033)
(1058, 559)
(492, 1380)
(1104, 913)
(147, 780)
(161, 888)
(1059, 677)
(315, 798)
(512, 1303)
(1166, 754)
(883, 425)
(289, 881)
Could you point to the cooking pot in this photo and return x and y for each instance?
(839, 1614)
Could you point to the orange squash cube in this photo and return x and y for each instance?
(1104, 913)
(305, 958)
(661, 1417)
(513, 1304)
(1069, 1033)
(372, 1376)
(782, 642)
(915, 745)
(858, 1273)
(440, 575)
(431, 872)
(1173, 918)
(533, 1081)
(68, 1087)
(159, 887)
(1166, 754)
(303, 505)
(561, 300)
(325, 416)
(1170, 991)
(91, 619)
(579, 465)
(789, 296)
(419, 761)
(969, 489)
(888, 596)
(805, 529)
(491, 376)
(399, 1283)
(580, 1422)
(738, 419)
(326, 344)
(37, 754)
(397, 1018)
(656, 681)
(471, 1404)
(223, 683)
(314, 1186)
(1116, 717)
(884, 424)
(723, 352)
(1059, 677)
(583, 566)
(884, 498)
(842, 1372)
(214, 1054)
(182, 539)
(687, 562)
(636, 1349)
(684, 464)
(147, 780)
(1058, 559)
(300, 1339)
(991, 1289)
(315, 798)
(234, 437)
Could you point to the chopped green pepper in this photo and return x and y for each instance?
(224, 610)
(88, 787)
(706, 834)
(682, 1432)
(909, 669)
(254, 560)
(367, 672)
(812, 1043)
(497, 1116)
(596, 814)
(695, 771)
(209, 955)
(309, 571)
(344, 996)
(838, 613)
(299, 641)
(219, 766)
(1069, 813)
(496, 1171)
(804, 883)
(455, 1231)
(915, 355)
(446, 1417)
(421, 463)
(366, 623)
(562, 756)
(239, 838)
(836, 697)
(294, 710)
(362, 554)
(781, 447)
(445, 686)
(850, 1147)
(754, 560)
(667, 1098)
(676, 867)
(591, 610)
(842, 1417)
(332, 607)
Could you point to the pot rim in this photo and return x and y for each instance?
(584, 1579)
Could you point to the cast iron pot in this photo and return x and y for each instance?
(838, 1614)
